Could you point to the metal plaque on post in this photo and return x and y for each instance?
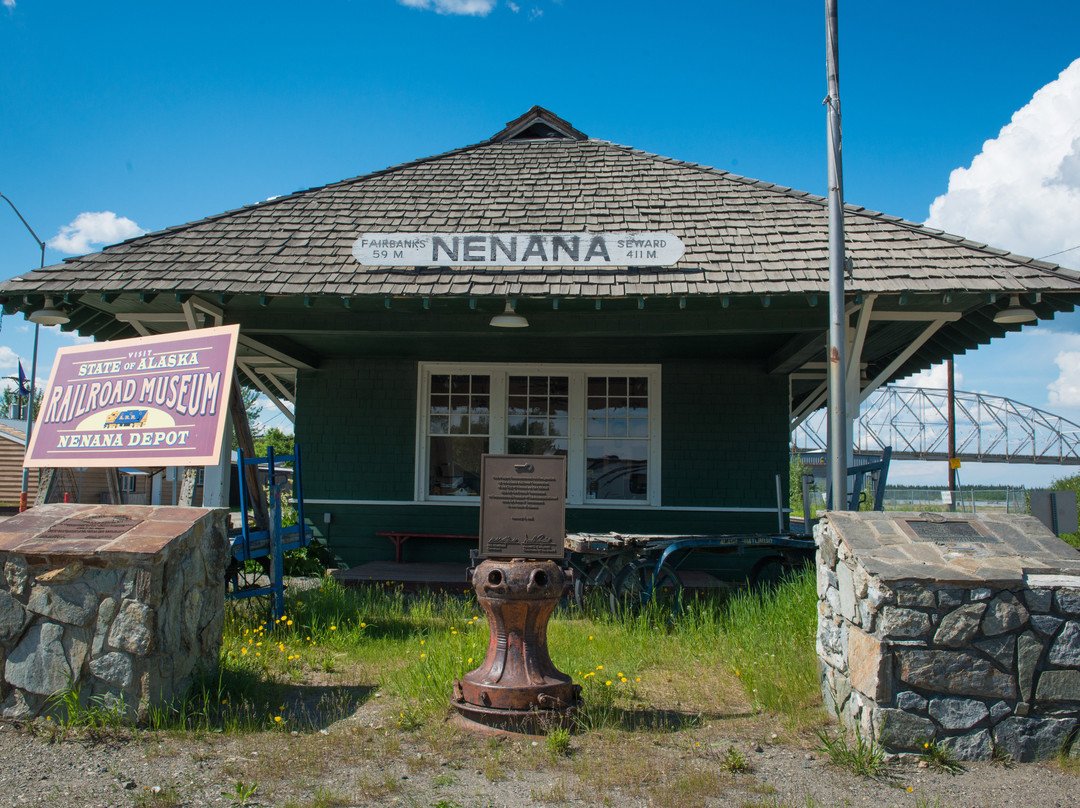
(522, 506)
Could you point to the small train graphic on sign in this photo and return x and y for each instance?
(119, 418)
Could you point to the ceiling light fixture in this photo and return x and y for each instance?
(48, 315)
(509, 318)
(1015, 313)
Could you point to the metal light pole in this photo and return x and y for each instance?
(952, 438)
(33, 365)
(838, 437)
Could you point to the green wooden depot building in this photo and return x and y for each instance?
(676, 321)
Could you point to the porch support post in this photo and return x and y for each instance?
(217, 479)
(247, 443)
(854, 372)
(904, 356)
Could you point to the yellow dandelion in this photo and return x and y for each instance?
(333, 628)
(423, 655)
(910, 789)
(243, 650)
(599, 667)
(590, 636)
(608, 683)
(623, 679)
(470, 660)
(453, 632)
(277, 719)
(288, 622)
(363, 625)
(637, 678)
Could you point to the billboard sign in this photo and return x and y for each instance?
(149, 401)
(518, 249)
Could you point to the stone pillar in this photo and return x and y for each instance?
(126, 603)
(963, 643)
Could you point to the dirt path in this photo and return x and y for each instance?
(368, 760)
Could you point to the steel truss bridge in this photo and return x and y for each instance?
(914, 421)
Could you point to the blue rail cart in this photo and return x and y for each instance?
(249, 544)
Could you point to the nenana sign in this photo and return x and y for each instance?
(518, 249)
(150, 401)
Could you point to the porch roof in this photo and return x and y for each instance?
(755, 266)
(742, 236)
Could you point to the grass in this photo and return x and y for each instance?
(1072, 539)
(97, 717)
(654, 685)
(750, 651)
(864, 757)
(162, 798)
(734, 761)
(939, 758)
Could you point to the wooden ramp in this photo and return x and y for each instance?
(444, 576)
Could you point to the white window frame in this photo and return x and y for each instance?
(575, 465)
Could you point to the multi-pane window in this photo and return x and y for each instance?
(605, 420)
(538, 415)
(459, 408)
(617, 437)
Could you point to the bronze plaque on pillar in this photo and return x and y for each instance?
(522, 506)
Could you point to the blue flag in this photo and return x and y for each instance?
(24, 383)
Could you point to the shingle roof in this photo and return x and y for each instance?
(14, 432)
(742, 236)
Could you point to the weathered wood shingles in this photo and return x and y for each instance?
(742, 236)
(12, 448)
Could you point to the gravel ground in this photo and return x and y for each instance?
(366, 759)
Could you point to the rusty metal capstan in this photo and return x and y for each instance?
(517, 688)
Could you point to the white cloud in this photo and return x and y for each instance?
(1022, 192)
(936, 378)
(93, 228)
(514, 7)
(74, 337)
(9, 3)
(475, 8)
(9, 360)
(1065, 390)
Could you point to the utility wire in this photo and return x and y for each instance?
(1059, 252)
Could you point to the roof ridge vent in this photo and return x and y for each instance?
(538, 124)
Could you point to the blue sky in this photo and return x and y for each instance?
(163, 113)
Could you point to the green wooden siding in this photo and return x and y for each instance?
(724, 440)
